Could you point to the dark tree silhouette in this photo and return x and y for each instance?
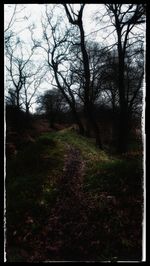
(53, 104)
(76, 19)
(124, 22)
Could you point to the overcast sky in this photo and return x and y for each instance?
(35, 11)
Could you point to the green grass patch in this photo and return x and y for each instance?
(114, 175)
(85, 145)
(35, 167)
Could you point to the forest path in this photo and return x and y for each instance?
(68, 218)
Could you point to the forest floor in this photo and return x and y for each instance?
(69, 201)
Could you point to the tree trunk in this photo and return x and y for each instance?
(123, 114)
(123, 132)
(88, 110)
(18, 99)
(78, 121)
(88, 105)
(27, 110)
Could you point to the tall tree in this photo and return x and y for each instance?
(76, 19)
(124, 18)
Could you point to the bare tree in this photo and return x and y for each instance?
(76, 20)
(31, 85)
(124, 19)
(57, 46)
(133, 79)
(23, 75)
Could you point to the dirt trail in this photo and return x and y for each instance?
(61, 236)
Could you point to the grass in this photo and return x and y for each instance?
(114, 175)
(112, 184)
(28, 175)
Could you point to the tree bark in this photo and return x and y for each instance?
(18, 99)
(122, 146)
(88, 105)
(92, 124)
(78, 121)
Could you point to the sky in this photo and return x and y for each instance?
(94, 29)
(36, 10)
